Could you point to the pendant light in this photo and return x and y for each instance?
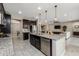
(55, 18)
(45, 15)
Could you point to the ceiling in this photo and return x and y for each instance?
(65, 11)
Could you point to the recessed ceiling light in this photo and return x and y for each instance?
(39, 8)
(20, 12)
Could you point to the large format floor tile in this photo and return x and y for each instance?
(72, 48)
(24, 48)
(6, 47)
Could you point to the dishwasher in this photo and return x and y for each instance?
(45, 46)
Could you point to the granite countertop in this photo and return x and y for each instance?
(54, 36)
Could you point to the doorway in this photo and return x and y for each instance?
(16, 29)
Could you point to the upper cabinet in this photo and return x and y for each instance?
(5, 20)
(26, 24)
(1, 13)
(29, 25)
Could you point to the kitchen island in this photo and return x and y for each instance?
(50, 45)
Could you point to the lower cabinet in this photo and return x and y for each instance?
(38, 43)
(32, 40)
(35, 41)
(25, 36)
(43, 44)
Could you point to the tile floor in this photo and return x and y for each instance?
(19, 47)
(24, 48)
(72, 48)
(6, 47)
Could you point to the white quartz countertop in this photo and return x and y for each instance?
(54, 36)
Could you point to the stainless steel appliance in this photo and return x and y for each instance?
(33, 29)
(45, 46)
